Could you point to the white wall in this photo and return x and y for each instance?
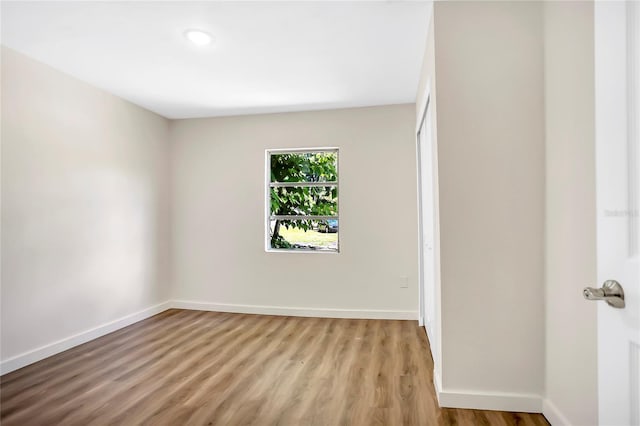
(84, 207)
(490, 135)
(219, 206)
(571, 364)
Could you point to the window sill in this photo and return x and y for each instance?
(271, 250)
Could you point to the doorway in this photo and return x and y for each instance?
(427, 218)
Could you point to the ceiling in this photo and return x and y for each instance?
(267, 56)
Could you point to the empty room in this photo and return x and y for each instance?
(320, 213)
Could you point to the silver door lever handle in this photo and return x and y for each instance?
(611, 292)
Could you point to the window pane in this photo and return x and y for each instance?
(304, 167)
(305, 235)
(303, 196)
(304, 201)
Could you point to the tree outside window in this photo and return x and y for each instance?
(303, 199)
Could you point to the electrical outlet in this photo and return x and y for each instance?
(404, 281)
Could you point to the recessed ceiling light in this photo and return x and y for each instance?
(198, 37)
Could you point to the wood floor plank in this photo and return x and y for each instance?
(205, 368)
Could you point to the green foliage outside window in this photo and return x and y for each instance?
(302, 200)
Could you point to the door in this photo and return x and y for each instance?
(426, 170)
(617, 75)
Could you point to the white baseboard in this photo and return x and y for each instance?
(430, 336)
(437, 384)
(489, 401)
(451, 399)
(553, 414)
(296, 312)
(46, 351)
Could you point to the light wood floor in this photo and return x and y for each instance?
(203, 368)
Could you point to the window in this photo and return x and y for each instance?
(302, 200)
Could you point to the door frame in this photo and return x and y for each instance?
(421, 286)
(423, 109)
(426, 109)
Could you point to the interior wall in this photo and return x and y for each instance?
(219, 255)
(571, 323)
(85, 208)
(490, 132)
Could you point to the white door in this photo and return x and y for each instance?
(426, 170)
(617, 68)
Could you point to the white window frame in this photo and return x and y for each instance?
(267, 200)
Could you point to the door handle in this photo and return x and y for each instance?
(611, 292)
